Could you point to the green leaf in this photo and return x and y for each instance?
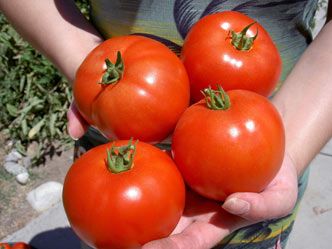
(12, 110)
(36, 128)
(20, 148)
(52, 123)
(24, 127)
(22, 83)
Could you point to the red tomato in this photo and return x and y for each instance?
(20, 245)
(211, 58)
(17, 245)
(240, 149)
(4, 246)
(149, 93)
(125, 209)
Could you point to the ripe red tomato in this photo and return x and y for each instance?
(240, 149)
(211, 58)
(4, 246)
(17, 245)
(124, 209)
(142, 93)
(20, 245)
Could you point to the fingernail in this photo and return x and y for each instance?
(236, 206)
(71, 132)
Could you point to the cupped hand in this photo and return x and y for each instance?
(277, 200)
(204, 223)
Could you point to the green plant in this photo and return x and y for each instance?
(84, 7)
(34, 96)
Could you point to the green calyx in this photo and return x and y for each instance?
(113, 72)
(216, 99)
(120, 158)
(241, 41)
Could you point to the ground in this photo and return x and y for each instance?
(15, 211)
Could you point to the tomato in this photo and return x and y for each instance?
(237, 148)
(20, 245)
(211, 56)
(142, 93)
(4, 246)
(123, 206)
(17, 245)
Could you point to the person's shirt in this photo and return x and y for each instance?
(288, 22)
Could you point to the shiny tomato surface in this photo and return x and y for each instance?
(147, 99)
(220, 152)
(126, 209)
(4, 246)
(210, 57)
(20, 245)
(16, 245)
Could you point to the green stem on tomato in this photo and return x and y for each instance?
(241, 41)
(216, 99)
(120, 158)
(113, 72)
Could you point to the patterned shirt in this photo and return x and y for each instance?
(288, 22)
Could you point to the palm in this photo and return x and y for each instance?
(204, 223)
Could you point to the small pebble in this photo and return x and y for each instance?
(13, 156)
(22, 178)
(45, 196)
(14, 168)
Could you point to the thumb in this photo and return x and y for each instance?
(276, 201)
(77, 126)
(258, 207)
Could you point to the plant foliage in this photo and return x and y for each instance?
(34, 96)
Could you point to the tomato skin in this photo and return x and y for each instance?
(211, 59)
(17, 245)
(4, 246)
(220, 152)
(146, 102)
(20, 245)
(127, 209)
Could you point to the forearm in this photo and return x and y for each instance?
(54, 27)
(305, 101)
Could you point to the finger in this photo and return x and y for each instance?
(183, 223)
(200, 235)
(77, 126)
(277, 200)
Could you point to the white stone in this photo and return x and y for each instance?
(13, 156)
(22, 178)
(14, 168)
(45, 196)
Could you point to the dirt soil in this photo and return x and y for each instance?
(15, 211)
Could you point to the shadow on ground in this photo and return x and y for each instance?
(63, 238)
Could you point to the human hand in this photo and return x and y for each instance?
(77, 125)
(204, 223)
(277, 200)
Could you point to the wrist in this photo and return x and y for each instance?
(69, 65)
(294, 163)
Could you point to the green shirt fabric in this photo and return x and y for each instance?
(288, 22)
